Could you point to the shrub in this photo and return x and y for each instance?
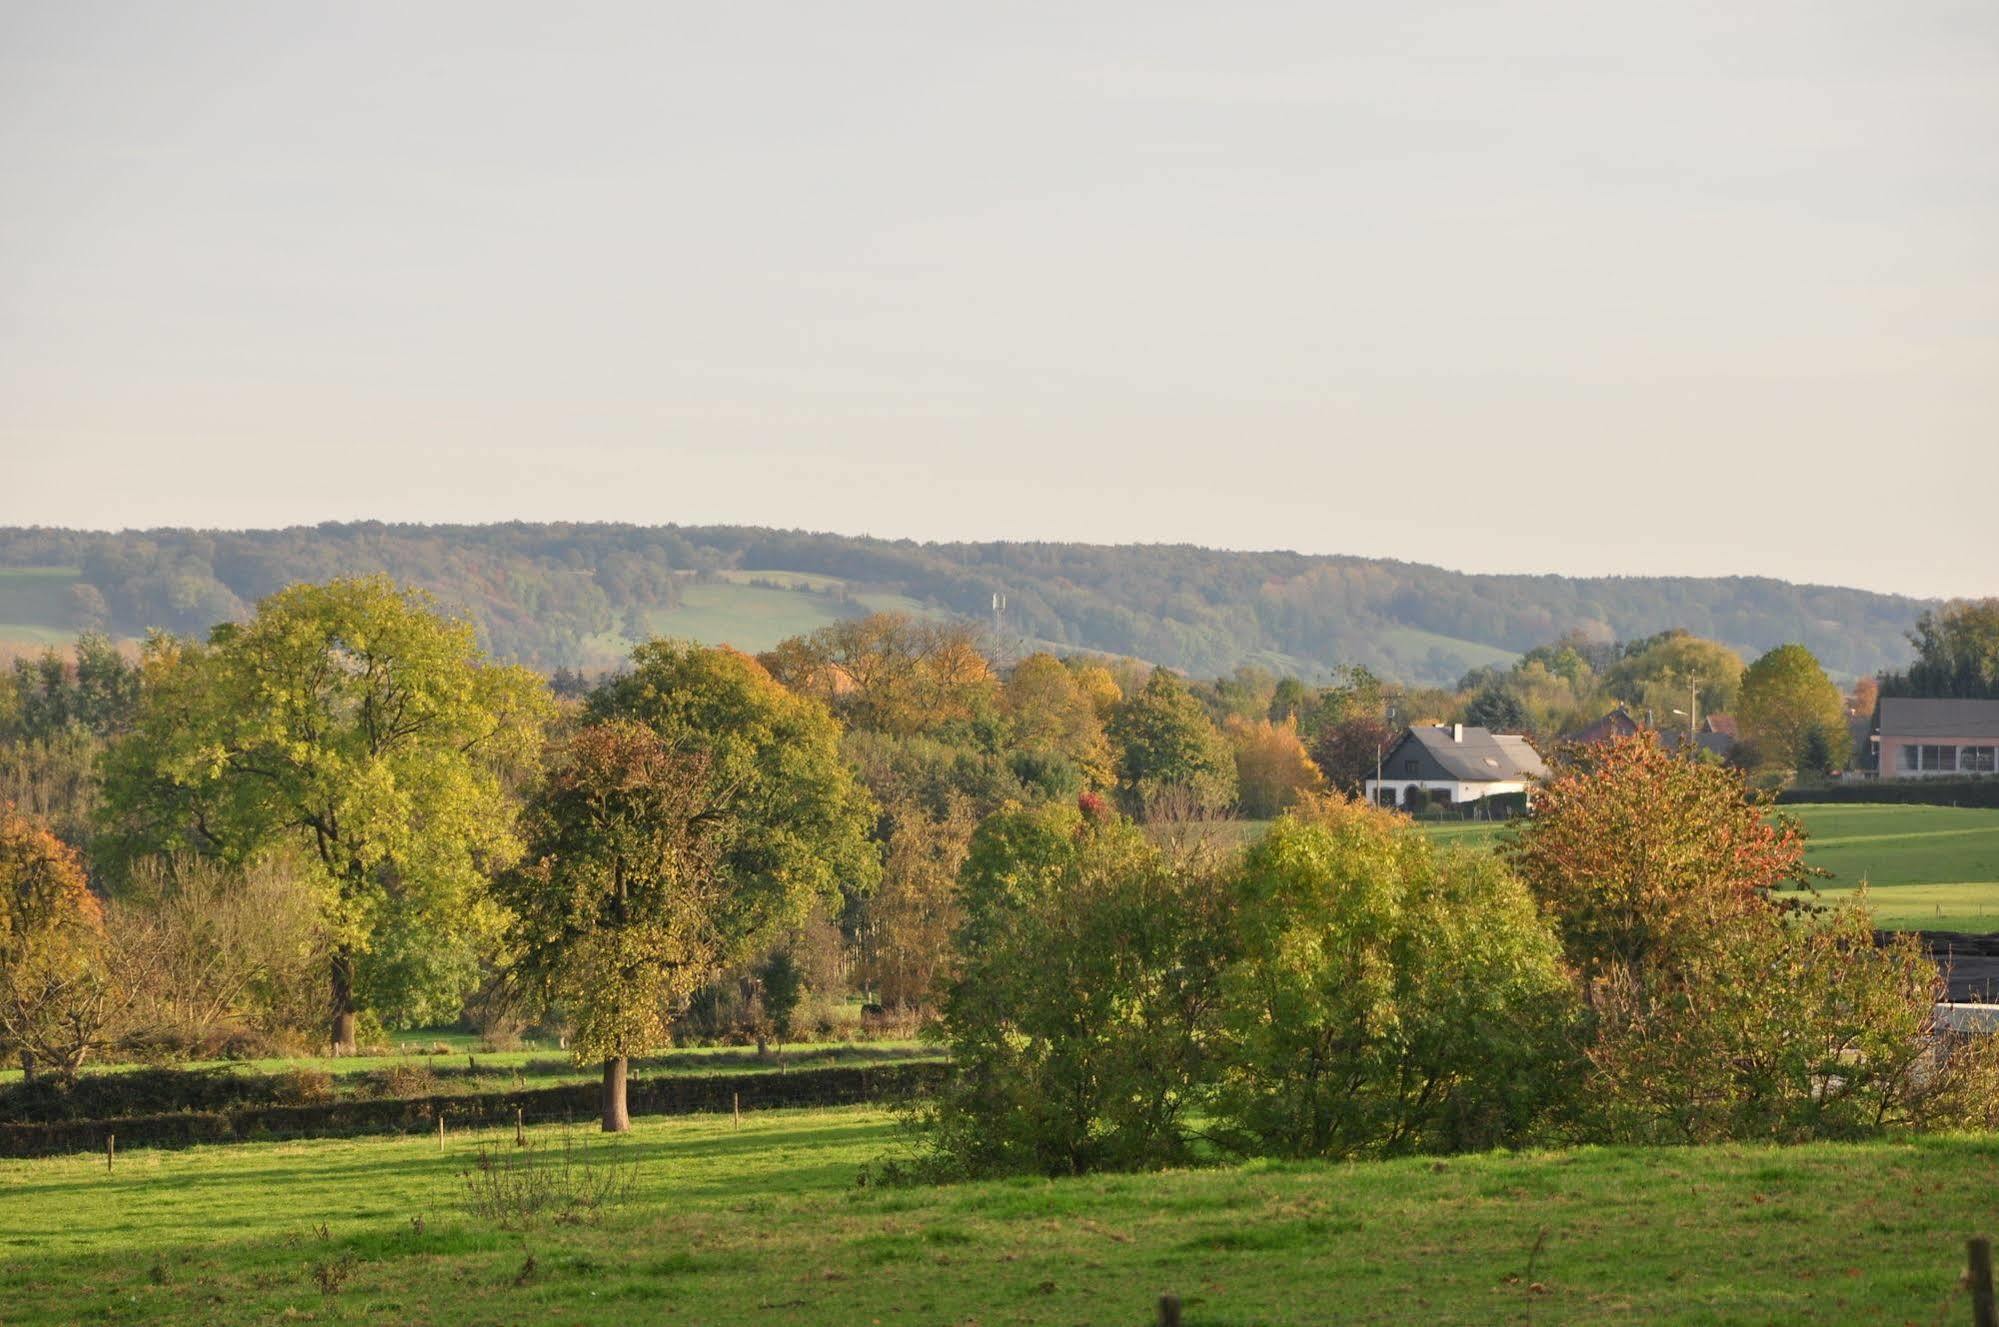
(1386, 997)
(1080, 1016)
(401, 1081)
(303, 1086)
(1784, 1029)
(517, 1188)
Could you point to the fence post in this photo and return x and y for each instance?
(440, 1130)
(520, 1119)
(736, 1107)
(1169, 1311)
(1983, 1314)
(110, 1150)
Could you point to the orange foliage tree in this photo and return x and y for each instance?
(52, 990)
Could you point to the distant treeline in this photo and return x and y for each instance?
(541, 592)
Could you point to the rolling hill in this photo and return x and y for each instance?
(578, 594)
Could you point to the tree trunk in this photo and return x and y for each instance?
(616, 1118)
(343, 1002)
(27, 1065)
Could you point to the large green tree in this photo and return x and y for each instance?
(1957, 651)
(1385, 996)
(1168, 750)
(1791, 713)
(791, 823)
(616, 905)
(355, 719)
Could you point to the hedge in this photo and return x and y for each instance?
(1923, 792)
(664, 1095)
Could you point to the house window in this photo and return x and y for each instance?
(1905, 757)
(1409, 768)
(1939, 757)
(1978, 759)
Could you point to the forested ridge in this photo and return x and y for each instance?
(551, 594)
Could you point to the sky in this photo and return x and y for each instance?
(1706, 289)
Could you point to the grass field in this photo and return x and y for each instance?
(1925, 867)
(766, 1224)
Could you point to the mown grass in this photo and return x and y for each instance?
(1925, 867)
(766, 1224)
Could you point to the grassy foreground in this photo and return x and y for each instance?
(766, 1225)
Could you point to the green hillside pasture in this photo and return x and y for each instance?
(34, 605)
(766, 1224)
(754, 617)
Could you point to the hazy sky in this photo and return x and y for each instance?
(1576, 287)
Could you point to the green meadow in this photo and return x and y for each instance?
(1924, 867)
(766, 1223)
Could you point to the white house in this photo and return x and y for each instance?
(1454, 765)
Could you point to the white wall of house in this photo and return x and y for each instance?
(1460, 791)
(1937, 757)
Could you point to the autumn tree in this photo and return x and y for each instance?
(356, 721)
(906, 924)
(1792, 713)
(52, 983)
(1346, 750)
(1272, 769)
(889, 672)
(617, 906)
(1051, 715)
(1167, 748)
(791, 824)
(1635, 850)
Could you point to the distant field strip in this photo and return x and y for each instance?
(1924, 867)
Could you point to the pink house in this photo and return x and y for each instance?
(1934, 738)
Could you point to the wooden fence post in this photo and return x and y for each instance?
(1169, 1311)
(1983, 1314)
(736, 1107)
(110, 1150)
(520, 1120)
(440, 1131)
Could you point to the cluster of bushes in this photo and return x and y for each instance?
(1642, 964)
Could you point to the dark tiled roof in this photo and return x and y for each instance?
(1617, 723)
(1908, 716)
(1480, 756)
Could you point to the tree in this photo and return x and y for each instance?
(1656, 674)
(792, 823)
(781, 988)
(1784, 1029)
(1790, 710)
(1384, 997)
(1167, 748)
(1272, 769)
(888, 672)
(1957, 651)
(1635, 850)
(352, 719)
(617, 907)
(1348, 750)
(1051, 715)
(52, 988)
(1496, 709)
(1080, 1016)
(904, 936)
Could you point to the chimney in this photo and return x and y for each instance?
(1457, 732)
